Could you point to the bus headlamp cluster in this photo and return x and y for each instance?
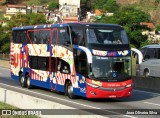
(129, 85)
(92, 85)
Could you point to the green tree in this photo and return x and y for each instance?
(35, 19)
(16, 21)
(109, 5)
(4, 40)
(53, 5)
(157, 29)
(130, 18)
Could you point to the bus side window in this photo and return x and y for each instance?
(31, 36)
(63, 66)
(43, 63)
(54, 38)
(14, 33)
(17, 37)
(33, 63)
(64, 38)
(44, 37)
(36, 38)
(53, 61)
(80, 59)
(77, 37)
(24, 37)
(47, 36)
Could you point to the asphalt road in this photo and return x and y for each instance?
(108, 107)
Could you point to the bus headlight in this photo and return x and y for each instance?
(92, 85)
(129, 85)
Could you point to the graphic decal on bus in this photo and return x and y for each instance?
(111, 53)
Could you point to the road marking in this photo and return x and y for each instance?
(146, 92)
(152, 103)
(68, 101)
(129, 116)
(4, 68)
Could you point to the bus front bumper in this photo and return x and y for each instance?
(112, 93)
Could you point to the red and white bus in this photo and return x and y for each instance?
(80, 59)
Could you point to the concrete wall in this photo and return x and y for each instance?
(147, 83)
(4, 63)
(23, 101)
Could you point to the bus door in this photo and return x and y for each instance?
(53, 58)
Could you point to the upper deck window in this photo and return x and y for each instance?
(106, 36)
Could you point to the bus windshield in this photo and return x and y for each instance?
(111, 68)
(106, 36)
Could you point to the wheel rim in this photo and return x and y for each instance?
(146, 74)
(28, 81)
(22, 79)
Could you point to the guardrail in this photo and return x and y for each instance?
(4, 57)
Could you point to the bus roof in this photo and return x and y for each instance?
(66, 24)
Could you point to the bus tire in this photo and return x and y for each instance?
(22, 81)
(70, 90)
(29, 86)
(146, 73)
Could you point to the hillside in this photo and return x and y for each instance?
(152, 7)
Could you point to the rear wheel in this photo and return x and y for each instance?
(29, 86)
(22, 81)
(70, 90)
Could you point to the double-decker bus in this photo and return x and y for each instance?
(80, 59)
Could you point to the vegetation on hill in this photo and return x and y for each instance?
(15, 21)
(152, 7)
(130, 18)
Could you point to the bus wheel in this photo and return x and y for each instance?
(146, 73)
(29, 86)
(22, 81)
(70, 91)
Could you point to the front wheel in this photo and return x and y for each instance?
(70, 91)
(22, 81)
(146, 73)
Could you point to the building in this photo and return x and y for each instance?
(70, 2)
(70, 10)
(13, 9)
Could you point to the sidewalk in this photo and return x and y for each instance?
(4, 63)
